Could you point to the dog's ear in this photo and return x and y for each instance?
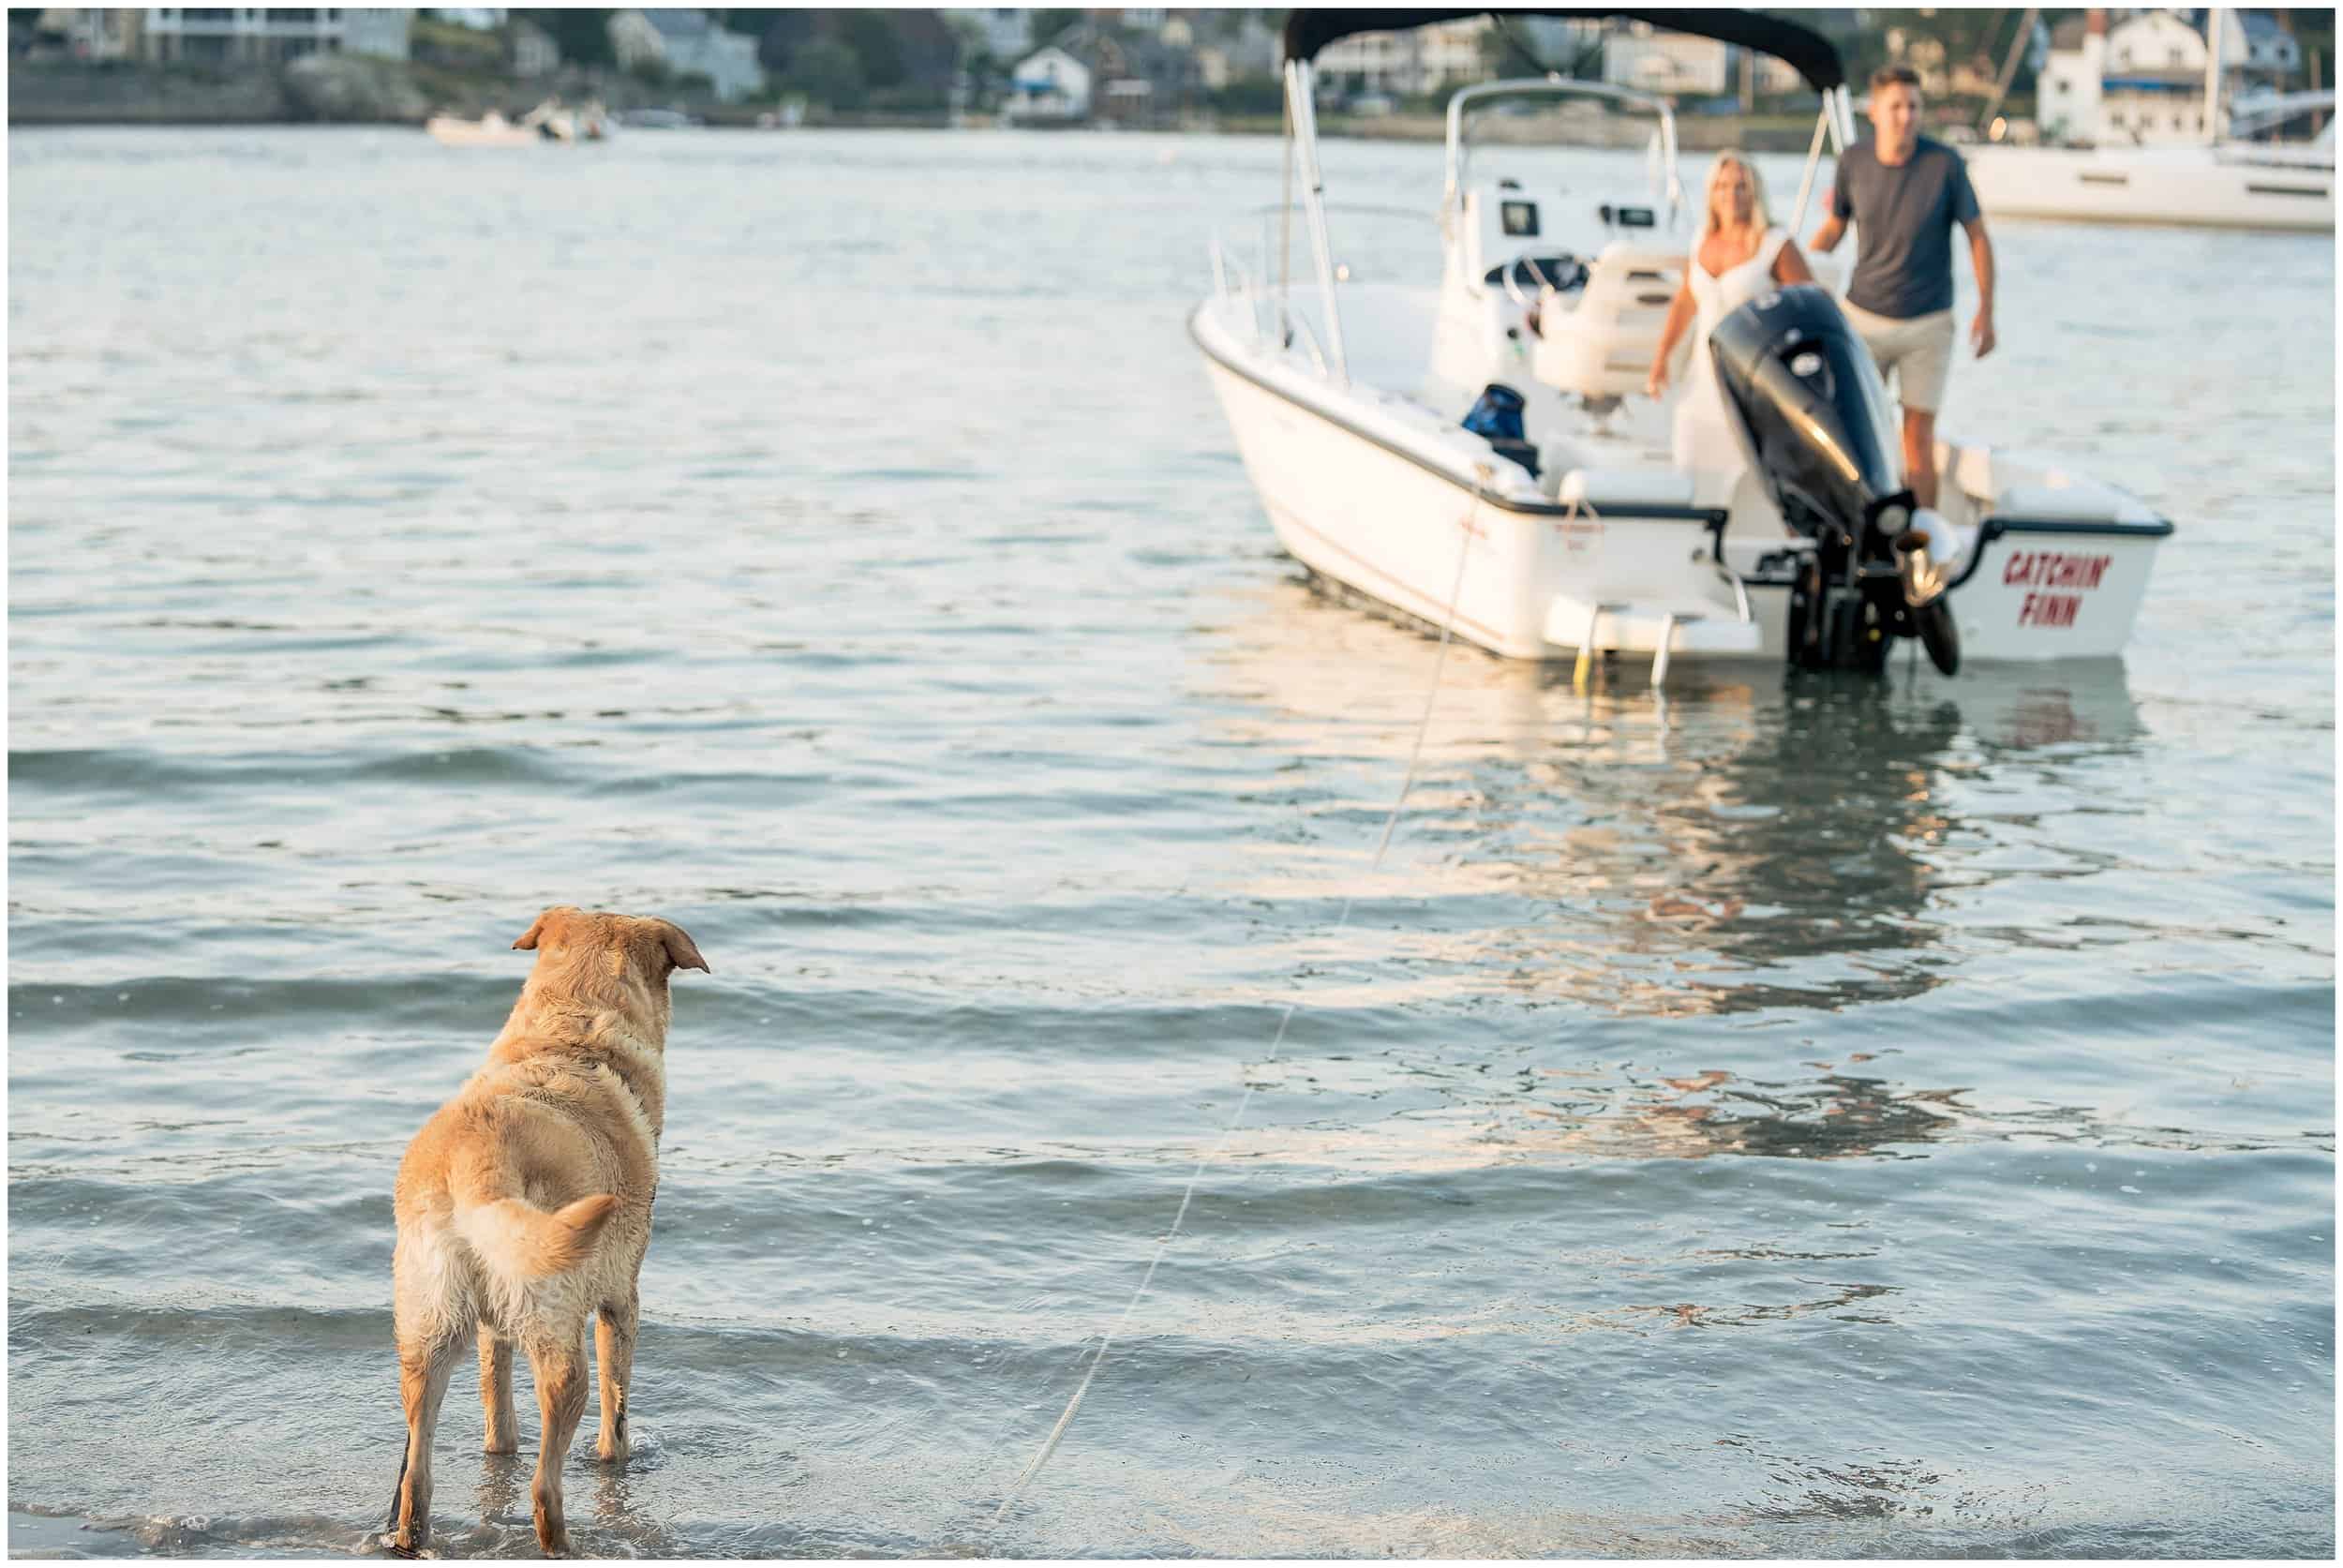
(681, 951)
(527, 941)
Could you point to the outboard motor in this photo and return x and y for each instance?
(1807, 401)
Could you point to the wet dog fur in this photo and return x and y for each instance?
(524, 1204)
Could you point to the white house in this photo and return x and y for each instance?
(2067, 92)
(2152, 87)
(1656, 62)
(1249, 50)
(531, 49)
(690, 43)
(1371, 62)
(1423, 60)
(93, 34)
(270, 33)
(376, 31)
(1049, 88)
(1449, 51)
(1771, 75)
(2141, 80)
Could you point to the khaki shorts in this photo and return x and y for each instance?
(1918, 348)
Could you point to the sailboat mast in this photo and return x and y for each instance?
(2009, 66)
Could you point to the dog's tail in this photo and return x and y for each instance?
(520, 1241)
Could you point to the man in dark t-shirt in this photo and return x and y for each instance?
(1905, 193)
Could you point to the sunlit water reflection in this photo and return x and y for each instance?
(1797, 1117)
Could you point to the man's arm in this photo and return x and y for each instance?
(1828, 237)
(1982, 261)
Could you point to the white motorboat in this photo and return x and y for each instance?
(1579, 535)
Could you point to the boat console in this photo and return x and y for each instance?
(1596, 342)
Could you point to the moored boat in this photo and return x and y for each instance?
(2219, 182)
(548, 122)
(1566, 526)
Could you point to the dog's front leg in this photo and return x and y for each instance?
(615, 1322)
(496, 1393)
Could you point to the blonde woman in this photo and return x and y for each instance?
(1738, 256)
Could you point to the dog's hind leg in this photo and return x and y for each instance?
(496, 1393)
(558, 1369)
(424, 1368)
(615, 1322)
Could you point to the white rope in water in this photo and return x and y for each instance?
(1415, 755)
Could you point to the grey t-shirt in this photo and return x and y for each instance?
(1904, 216)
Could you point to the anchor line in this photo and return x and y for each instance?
(1415, 755)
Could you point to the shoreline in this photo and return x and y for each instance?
(342, 90)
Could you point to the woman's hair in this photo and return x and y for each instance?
(1725, 160)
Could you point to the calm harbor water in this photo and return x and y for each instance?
(1803, 1119)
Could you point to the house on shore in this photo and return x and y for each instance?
(1047, 88)
(687, 43)
(529, 48)
(268, 34)
(2140, 79)
(693, 44)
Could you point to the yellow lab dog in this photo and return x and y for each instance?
(524, 1205)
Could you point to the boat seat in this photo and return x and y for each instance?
(2073, 502)
(2023, 489)
(1601, 347)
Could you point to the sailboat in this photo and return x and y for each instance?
(2223, 182)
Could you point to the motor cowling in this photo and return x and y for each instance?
(1806, 400)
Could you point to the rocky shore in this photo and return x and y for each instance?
(319, 89)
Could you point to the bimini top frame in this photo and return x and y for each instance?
(1452, 193)
(1307, 32)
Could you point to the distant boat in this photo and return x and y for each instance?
(659, 119)
(548, 122)
(491, 129)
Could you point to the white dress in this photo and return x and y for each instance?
(1702, 439)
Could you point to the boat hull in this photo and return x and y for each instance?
(2181, 186)
(1512, 578)
(1384, 526)
(1395, 529)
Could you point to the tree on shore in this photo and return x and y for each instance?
(1046, 24)
(582, 35)
(828, 72)
(893, 59)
